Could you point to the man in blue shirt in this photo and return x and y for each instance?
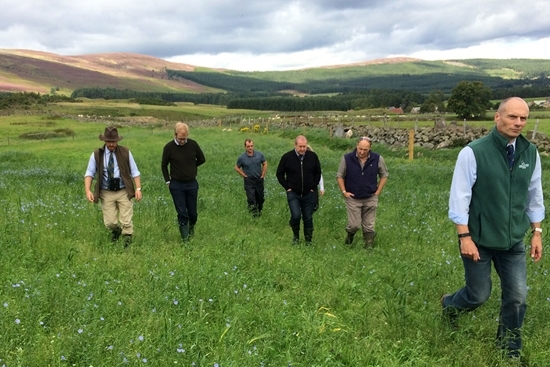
(115, 169)
(252, 166)
(496, 195)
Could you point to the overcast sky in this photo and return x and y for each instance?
(280, 34)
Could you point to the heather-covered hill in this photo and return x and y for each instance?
(34, 71)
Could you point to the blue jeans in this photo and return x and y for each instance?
(301, 206)
(185, 196)
(511, 269)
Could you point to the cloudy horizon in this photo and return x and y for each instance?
(280, 35)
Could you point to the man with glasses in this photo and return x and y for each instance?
(357, 178)
(183, 155)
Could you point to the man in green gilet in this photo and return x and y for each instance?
(496, 198)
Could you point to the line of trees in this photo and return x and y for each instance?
(372, 98)
(29, 99)
(197, 98)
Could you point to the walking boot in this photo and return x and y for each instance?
(253, 209)
(349, 238)
(184, 232)
(308, 235)
(368, 237)
(191, 229)
(295, 234)
(116, 234)
(127, 238)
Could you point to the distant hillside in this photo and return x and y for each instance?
(34, 71)
(25, 70)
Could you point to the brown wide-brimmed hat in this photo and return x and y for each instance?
(111, 134)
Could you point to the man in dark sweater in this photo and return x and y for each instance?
(299, 172)
(183, 155)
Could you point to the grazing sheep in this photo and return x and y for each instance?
(349, 133)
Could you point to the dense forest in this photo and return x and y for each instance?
(269, 101)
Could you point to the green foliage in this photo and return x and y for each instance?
(434, 102)
(152, 101)
(470, 100)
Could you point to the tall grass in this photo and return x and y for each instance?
(238, 294)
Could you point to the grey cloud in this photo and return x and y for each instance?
(166, 28)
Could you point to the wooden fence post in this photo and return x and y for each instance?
(535, 129)
(411, 145)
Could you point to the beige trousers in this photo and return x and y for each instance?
(361, 214)
(117, 208)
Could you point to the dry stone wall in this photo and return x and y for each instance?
(438, 138)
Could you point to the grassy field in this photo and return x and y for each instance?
(239, 294)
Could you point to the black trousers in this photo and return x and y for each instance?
(254, 188)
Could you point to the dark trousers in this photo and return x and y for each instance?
(185, 194)
(254, 188)
(301, 207)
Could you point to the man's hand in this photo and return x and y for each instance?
(90, 196)
(469, 249)
(536, 246)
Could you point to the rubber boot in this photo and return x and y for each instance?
(184, 231)
(308, 234)
(191, 229)
(116, 234)
(368, 237)
(295, 234)
(349, 238)
(127, 238)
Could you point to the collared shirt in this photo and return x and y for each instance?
(92, 167)
(464, 178)
(251, 165)
(178, 143)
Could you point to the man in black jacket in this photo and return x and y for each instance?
(299, 172)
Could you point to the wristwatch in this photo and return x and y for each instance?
(138, 189)
(537, 229)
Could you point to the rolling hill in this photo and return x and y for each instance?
(34, 71)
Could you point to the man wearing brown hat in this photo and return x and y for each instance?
(115, 168)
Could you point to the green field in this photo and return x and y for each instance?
(238, 294)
